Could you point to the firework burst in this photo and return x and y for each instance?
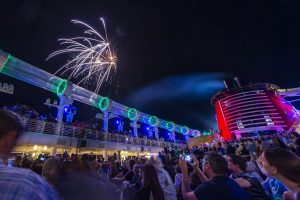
(92, 59)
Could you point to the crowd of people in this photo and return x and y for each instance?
(254, 168)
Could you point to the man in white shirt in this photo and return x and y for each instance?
(16, 183)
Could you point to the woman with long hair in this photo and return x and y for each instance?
(283, 165)
(151, 187)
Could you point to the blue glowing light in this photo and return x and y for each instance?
(117, 121)
(66, 109)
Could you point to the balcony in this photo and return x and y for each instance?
(48, 133)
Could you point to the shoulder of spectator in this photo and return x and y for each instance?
(26, 178)
(243, 183)
(190, 196)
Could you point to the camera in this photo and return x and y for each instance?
(187, 157)
(42, 158)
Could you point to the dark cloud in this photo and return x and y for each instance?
(184, 97)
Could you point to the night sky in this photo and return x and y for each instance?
(172, 56)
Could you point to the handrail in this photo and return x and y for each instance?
(51, 128)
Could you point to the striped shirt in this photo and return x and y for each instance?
(18, 183)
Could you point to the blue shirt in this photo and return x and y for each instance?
(18, 183)
(274, 187)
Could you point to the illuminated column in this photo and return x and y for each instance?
(170, 126)
(64, 101)
(186, 137)
(120, 127)
(64, 91)
(185, 131)
(173, 138)
(134, 125)
(105, 121)
(153, 121)
(104, 104)
(150, 132)
(104, 152)
(132, 114)
(54, 151)
(156, 132)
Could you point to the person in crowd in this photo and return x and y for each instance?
(114, 171)
(26, 162)
(95, 168)
(251, 147)
(242, 150)
(17, 161)
(194, 179)
(137, 178)
(229, 149)
(164, 179)
(274, 188)
(220, 149)
(151, 188)
(128, 176)
(129, 188)
(16, 183)
(84, 166)
(104, 170)
(177, 183)
(278, 143)
(51, 171)
(81, 186)
(218, 186)
(124, 169)
(258, 147)
(68, 168)
(296, 147)
(265, 144)
(294, 143)
(168, 166)
(237, 166)
(294, 136)
(37, 166)
(283, 165)
(253, 171)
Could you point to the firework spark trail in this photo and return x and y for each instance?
(93, 58)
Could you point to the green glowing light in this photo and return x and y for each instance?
(8, 60)
(170, 126)
(103, 103)
(153, 121)
(61, 87)
(132, 114)
(184, 130)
